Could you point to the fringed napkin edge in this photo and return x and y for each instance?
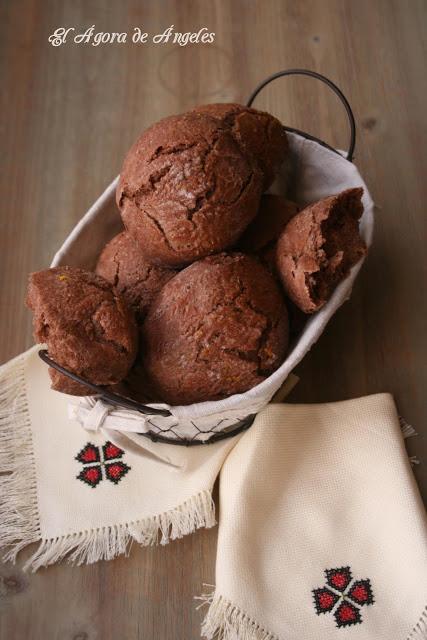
(226, 621)
(19, 516)
(20, 525)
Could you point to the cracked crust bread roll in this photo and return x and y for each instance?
(318, 247)
(273, 215)
(86, 325)
(258, 134)
(187, 190)
(192, 183)
(218, 328)
(123, 264)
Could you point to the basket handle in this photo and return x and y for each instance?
(329, 83)
(127, 403)
(108, 395)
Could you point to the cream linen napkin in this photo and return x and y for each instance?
(322, 532)
(80, 493)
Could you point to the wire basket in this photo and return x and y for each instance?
(209, 422)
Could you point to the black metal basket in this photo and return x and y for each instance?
(245, 422)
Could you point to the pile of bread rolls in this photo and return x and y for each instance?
(192, 301)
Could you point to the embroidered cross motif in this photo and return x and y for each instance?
(344, 596)
(101, 462)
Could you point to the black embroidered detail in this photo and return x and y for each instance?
(343, 596)
(89, 453)
(324, 599)
(361, 592)
(101, 463)
(91, 475)
(338, 579)
(347, 614)
(116, 470)
(111, 452)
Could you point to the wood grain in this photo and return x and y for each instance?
(68, 116)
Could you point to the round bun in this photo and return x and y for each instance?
(87, 326)
(123, 264)
(187, 189)
(258, 134)
(318, 247)
(273, 215)
(218, 328)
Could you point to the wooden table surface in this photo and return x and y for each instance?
(68, 115)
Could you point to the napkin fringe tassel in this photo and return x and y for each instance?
(106, 543)
(419, 632)
(225, 621)
(18, 489)
(407, 429)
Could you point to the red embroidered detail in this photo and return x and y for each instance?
(361, 592)
(91, 475)
(89, 453)
(338, 578)
(341, 595)
(96, 467)
(111, 451)
(347, 614)
(116, 470)
(324, 599)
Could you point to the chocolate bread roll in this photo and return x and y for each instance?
(258, 134)
(187, 189)
(87, 326)
(123, 264)
(218, 328)
(318, 247)
(273, 215)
